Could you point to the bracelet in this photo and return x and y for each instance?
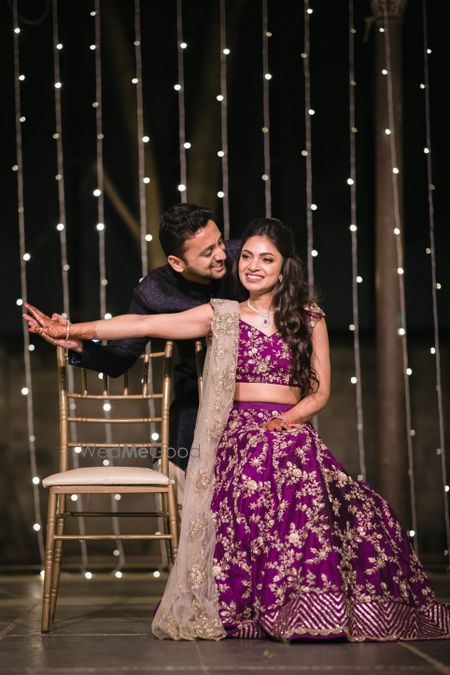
(67, 329)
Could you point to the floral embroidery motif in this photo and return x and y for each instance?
(262, 358)
(267, 358)
(196, 528)
(202, 481)
(303, 549)
(225, 329)
(196, 576)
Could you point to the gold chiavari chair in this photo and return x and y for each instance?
(101, 480)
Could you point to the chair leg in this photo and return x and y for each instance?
(57, 556)
(49, 554)
(166, 520)
(161, 524)
(173, 524)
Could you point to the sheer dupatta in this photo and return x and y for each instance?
(189, 608)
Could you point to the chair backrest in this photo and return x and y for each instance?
(96, 388)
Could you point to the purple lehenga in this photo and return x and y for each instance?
(277, 540)
(302, 549)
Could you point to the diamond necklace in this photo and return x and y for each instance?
(265, 315)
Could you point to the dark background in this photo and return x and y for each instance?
(330, 143)
(330, 159)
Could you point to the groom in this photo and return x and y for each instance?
(198, 262)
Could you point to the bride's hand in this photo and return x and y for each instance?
(278, 423)
(73, 344)
(48, 327)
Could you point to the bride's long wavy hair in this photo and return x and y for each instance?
(291, 297)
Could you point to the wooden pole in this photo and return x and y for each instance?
(392, 442)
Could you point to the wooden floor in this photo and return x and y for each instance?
(103, 626)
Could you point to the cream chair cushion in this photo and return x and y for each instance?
(107, 475)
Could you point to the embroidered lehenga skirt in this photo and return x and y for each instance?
(303, 550)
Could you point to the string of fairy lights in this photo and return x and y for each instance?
(435, 350)
(142, 139)
(61, 228)
(143, 180)
(311, 252)
(99, 190)
(24, 257)
(60, 178)
(179, 87)
(266, 177)
(103, 281)
(223, 152)
(397, 232)
(351, 181)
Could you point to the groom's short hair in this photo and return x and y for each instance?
(180, 222)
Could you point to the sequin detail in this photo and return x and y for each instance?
(267, 359)
(304, 550)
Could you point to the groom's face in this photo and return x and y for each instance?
(203, 257)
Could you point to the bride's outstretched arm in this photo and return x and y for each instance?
(193, 323)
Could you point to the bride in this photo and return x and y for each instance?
(276, 538)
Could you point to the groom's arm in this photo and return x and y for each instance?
(119, 355)
(155, 294)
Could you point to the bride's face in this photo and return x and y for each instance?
(260, 265)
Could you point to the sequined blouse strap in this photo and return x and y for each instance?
(315, 314)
